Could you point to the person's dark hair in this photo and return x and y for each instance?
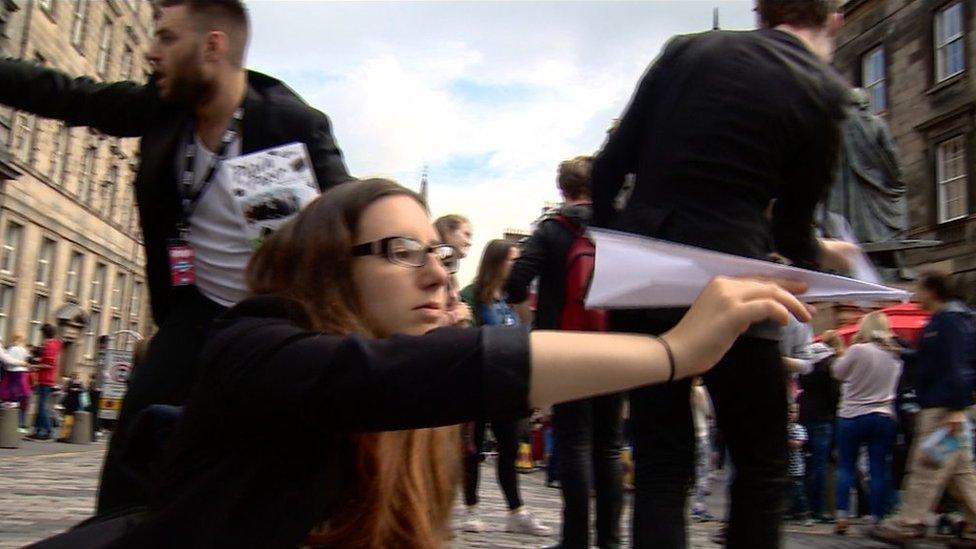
(574, 177)
(227, 16)
(937, 283)
(401, 487)
(798, 13)
(447, 224)
(490, 276)
(48, 331)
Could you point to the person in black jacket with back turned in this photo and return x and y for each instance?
(200, 106)
(723, 125)
(588, 432)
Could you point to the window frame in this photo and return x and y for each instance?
(939, 49)
(104, 56)
(47, 245)
(941, 182)
(14, 250)
(882, 82)
(79, 24)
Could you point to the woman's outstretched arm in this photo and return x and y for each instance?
(572, 365)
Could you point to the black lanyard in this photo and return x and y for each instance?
(190, 197)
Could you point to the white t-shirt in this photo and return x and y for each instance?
(217, 232)
(16, 352)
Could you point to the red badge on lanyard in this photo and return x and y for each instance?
(181, 269)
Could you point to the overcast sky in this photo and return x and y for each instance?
(490, 95)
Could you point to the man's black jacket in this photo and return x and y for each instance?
(722, 124)
(544, 256)
(273, 115)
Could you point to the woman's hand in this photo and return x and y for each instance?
(723, 311)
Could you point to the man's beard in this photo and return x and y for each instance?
(188, 87)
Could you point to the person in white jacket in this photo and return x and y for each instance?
(15, 385)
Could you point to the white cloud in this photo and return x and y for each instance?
(490, 95)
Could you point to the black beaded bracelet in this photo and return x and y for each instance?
(667, 349)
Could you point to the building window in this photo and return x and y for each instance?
(104, 48)
(114, 327)
(107, 200)
(6, 301)
(38, 318)
(94, 325)
(949, 42)
(11, 246)
(98, 286)
(23, 145)
(87, 175)
(952, 179)
(135, 303)
(125, 71)
(118, 290)
(78, 23)
(873, 78)
(45, 261)
(72, 286)
(59, 154)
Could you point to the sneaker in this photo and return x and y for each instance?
(808, 523)
(522, 522)
(472, 523)
(22, 430)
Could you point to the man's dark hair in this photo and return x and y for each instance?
(49, 331)
(798, 13)
(939, 284)
(227, 16)
(574, 177)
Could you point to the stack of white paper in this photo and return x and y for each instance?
(638, 272)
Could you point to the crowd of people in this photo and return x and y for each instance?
(380, 375)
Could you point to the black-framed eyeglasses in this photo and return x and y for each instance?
(409, 252)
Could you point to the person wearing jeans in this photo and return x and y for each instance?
(818, 412)
(47, 375)
(588, 435)
(870, 371)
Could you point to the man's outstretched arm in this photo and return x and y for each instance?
(122, 109)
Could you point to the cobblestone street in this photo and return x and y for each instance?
(47, 487)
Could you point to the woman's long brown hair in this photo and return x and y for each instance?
(489, 279)
(404, 481)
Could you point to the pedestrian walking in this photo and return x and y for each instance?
(588, 433)
(818, 400)
(487, 299)
(724, 128)
(944, 363)
(200, 107)
(47, 366)
(869, 372)
(341, 333)
(798, 485)
(15, 383)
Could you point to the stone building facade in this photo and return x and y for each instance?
(916, 59)
(72, 253)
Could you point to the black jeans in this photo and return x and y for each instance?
(748, 391)
(506, 435)
(588, 434)
(164, 377)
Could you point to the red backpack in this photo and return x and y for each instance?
(580, 262)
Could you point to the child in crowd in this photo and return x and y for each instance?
(798, 438)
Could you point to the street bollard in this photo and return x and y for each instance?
(9, 436)
(81, 430)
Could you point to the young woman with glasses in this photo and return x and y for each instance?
(319, 417)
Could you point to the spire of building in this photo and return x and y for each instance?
(423, 183)
(715, 22)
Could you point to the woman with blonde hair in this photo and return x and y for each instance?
(869, 371)
(339, 347)
(15, 384)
